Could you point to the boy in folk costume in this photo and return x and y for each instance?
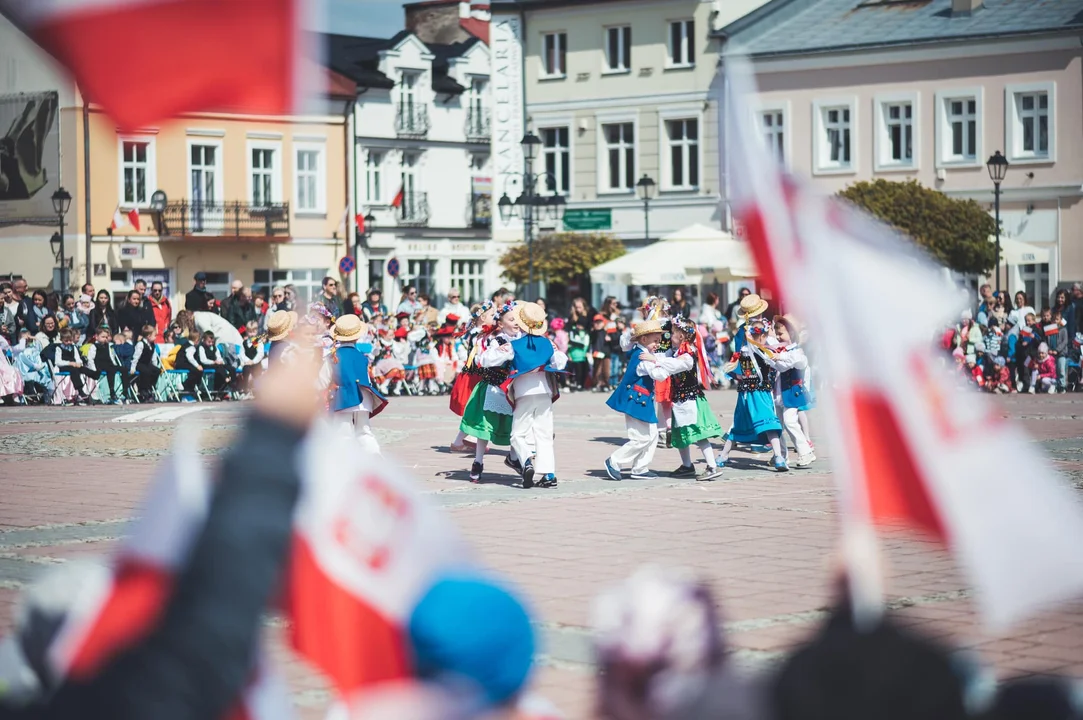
(481, 322)
(754, 418)
(280, 326)
(791, 389)
(531, 388)
(693, 421)
(353, 399)
(634, 398)
(488, 414)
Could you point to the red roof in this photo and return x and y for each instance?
(477, 28)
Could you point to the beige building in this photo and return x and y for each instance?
(615, 92)
(250, 198)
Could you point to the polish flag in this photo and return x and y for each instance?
(904, 430)
(1051, 329)
(399, 197)
(133, 218)
(359, 220)
(118, 219)
(1026, 331)
(115, 46)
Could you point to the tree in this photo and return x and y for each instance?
(955, 232)
(561, 257)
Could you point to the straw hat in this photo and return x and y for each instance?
(280, 324)
(751, 306)
(647, 327)
(530, 317)
(349, 328)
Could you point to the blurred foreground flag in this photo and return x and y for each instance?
(148, 60)
(912, 447)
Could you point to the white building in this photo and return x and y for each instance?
(422, 163)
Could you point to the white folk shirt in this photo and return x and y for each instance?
(685, 412)
(534, 382)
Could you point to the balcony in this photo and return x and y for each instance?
(478, 128)
(414, 211)
(224, 220)
(411, 120)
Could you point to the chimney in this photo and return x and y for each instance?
(964, 7)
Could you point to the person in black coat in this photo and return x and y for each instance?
(195, 300)
(102, 314)
(133, 316)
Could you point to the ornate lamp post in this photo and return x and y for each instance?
(362, 240)
(61, 202)
(646, 187)
(998, 168)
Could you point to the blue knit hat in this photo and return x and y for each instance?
(471, 627)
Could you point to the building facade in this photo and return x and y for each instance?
(422, 149)
(259, 199)
(929, 94)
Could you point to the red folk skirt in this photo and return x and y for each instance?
(461, 390)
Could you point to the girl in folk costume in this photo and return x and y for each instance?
(754, 418)
(488, 414)
(252, 351)
(425, 360)
(353, 399)
(447, 356)
(531, 388)
(792, 390)
(389, 373)
(280, 327)
(481, 324)
(693, 421)
(324, 320)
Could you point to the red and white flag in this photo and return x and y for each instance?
(399, 197)
(116, 50)
(910, 446)
(359, 220)
(133, 218)
(1051, 329)
(118, 219)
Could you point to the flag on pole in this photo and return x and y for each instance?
(399, 197)
(133, 218)
(342, 220)
(113, 46)
(359, 220)
(118, 219)
(904, 430)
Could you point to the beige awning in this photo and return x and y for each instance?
(691, 256)
(1017, 252)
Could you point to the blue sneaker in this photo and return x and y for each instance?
(549, 481)
(611, 470)
(648, 475)
(780, 464)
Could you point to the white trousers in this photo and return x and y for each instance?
(532, 427)
(356, 423)
(790, 420)
(639, 450)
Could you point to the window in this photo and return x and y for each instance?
(557, 156)
(1030, 111)
(204, 167)
(263, 172)
(896, 140)
(422, 275)
(959, 127)
(773, 128)
(618, 49)
(833, 136)
(468, 277)
(218, 284)
(373, 194)
(408, 91)
(682, 43)
(683, 139)
(310, 179)
(376, 273)
(619, 139)
(900, 133)
(135, 171)
(554, 54)
(307, 283)
(1035, 277)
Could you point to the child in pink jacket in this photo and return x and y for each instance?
(1045, 372)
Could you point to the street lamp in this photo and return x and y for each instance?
(61, 202)
(998, 168)
(645, 187)
(532, 206)
(362, 239)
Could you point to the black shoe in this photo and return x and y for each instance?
(528, 475)
(669, 439)
(549, 481)
(514, 464)
(684, 471)
(475, 472)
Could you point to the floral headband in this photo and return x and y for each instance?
(484, 308)
(505, 309)
(684, 325)
(318, 308)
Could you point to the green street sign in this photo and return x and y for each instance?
(584, 219)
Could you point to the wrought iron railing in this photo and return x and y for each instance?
(411, 120)
(414, 210)
(478, 127)
(234, 219)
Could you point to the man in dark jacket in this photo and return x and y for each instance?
(237, 309)
(196, 298)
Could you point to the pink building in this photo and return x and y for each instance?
(929, 90)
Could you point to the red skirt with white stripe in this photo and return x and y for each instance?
(460, 391)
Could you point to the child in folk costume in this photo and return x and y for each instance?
(280, 326)
(531, 389)
(791, 388)
(447, 356)
(634, 398)
(353, 399)
(146, 366)
(251, 355)
(389, 373)
(425, 360)
(693, 421)
(480, 324)
(488, 414)
(754, 418)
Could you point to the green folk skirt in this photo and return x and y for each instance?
(706, 426)
(485, 424)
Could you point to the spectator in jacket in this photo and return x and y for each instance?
(21, 300)
(133, 316)
(454, 306)
(1060, 346)
(103, 313)
(8, 308)
(161, 308)
(329, 296)
(141, 286)
(373, 307)
(34, 311)
(196, 299)
(238, 309)
(279, 301)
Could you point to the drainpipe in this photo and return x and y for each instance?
(86, 188)
(351, 178)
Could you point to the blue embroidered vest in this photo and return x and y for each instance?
(634, 395)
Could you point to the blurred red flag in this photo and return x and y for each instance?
(147, 60)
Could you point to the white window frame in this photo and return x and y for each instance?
(820, 164)
(321, 178)
(942, 136)
(151, 168)
(882, 161)
(622, 49)
(276, 171)
(564, 125)
(560, 47)
(307, 281)
(689, 60)
(678, 112)
(467, 278)
(1013, 127)
(782, 107)
(601, 120)
(219, 167)
(378, 169)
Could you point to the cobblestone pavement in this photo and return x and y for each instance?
(70, 479)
